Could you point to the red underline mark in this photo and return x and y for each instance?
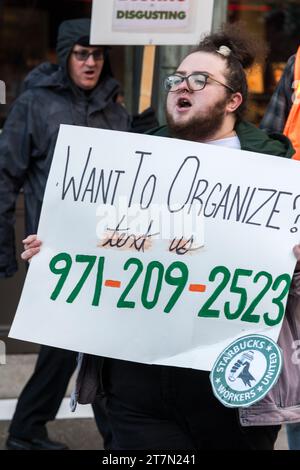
(110, 283)
(197, 288)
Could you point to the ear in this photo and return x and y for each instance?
(234, 102)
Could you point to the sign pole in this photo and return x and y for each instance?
(147, 77)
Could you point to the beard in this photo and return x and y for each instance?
(199, 127)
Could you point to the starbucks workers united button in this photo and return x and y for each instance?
(246, 370)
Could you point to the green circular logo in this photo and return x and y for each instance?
(246, 370)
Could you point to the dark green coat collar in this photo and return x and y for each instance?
(251, 139)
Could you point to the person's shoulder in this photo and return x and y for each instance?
(290, 67)
(36, 84)
(291, 61)
(257, 140)
(43, 76)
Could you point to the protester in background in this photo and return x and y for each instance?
(278, 110)
(79, 91)
(283, 115)
(162, 407)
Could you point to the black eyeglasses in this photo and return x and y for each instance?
(84, 55)
(195, 81)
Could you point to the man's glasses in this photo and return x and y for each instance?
(84, 55)
(195, 82)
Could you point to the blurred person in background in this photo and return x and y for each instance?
(81, 91)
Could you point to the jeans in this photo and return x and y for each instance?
(293, 436)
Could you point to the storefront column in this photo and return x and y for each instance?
(220, 13)
(170, 56)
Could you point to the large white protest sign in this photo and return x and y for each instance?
(128, 269)
(141, 22)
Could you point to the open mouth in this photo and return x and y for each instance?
(183, 103)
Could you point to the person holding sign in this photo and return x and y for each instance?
(167, 407)
(80, 90)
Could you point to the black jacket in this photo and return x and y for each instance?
(30, 131)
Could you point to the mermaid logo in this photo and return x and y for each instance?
(246, 370)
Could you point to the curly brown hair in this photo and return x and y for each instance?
(244, 50)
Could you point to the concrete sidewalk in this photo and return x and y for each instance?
(78, 430)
